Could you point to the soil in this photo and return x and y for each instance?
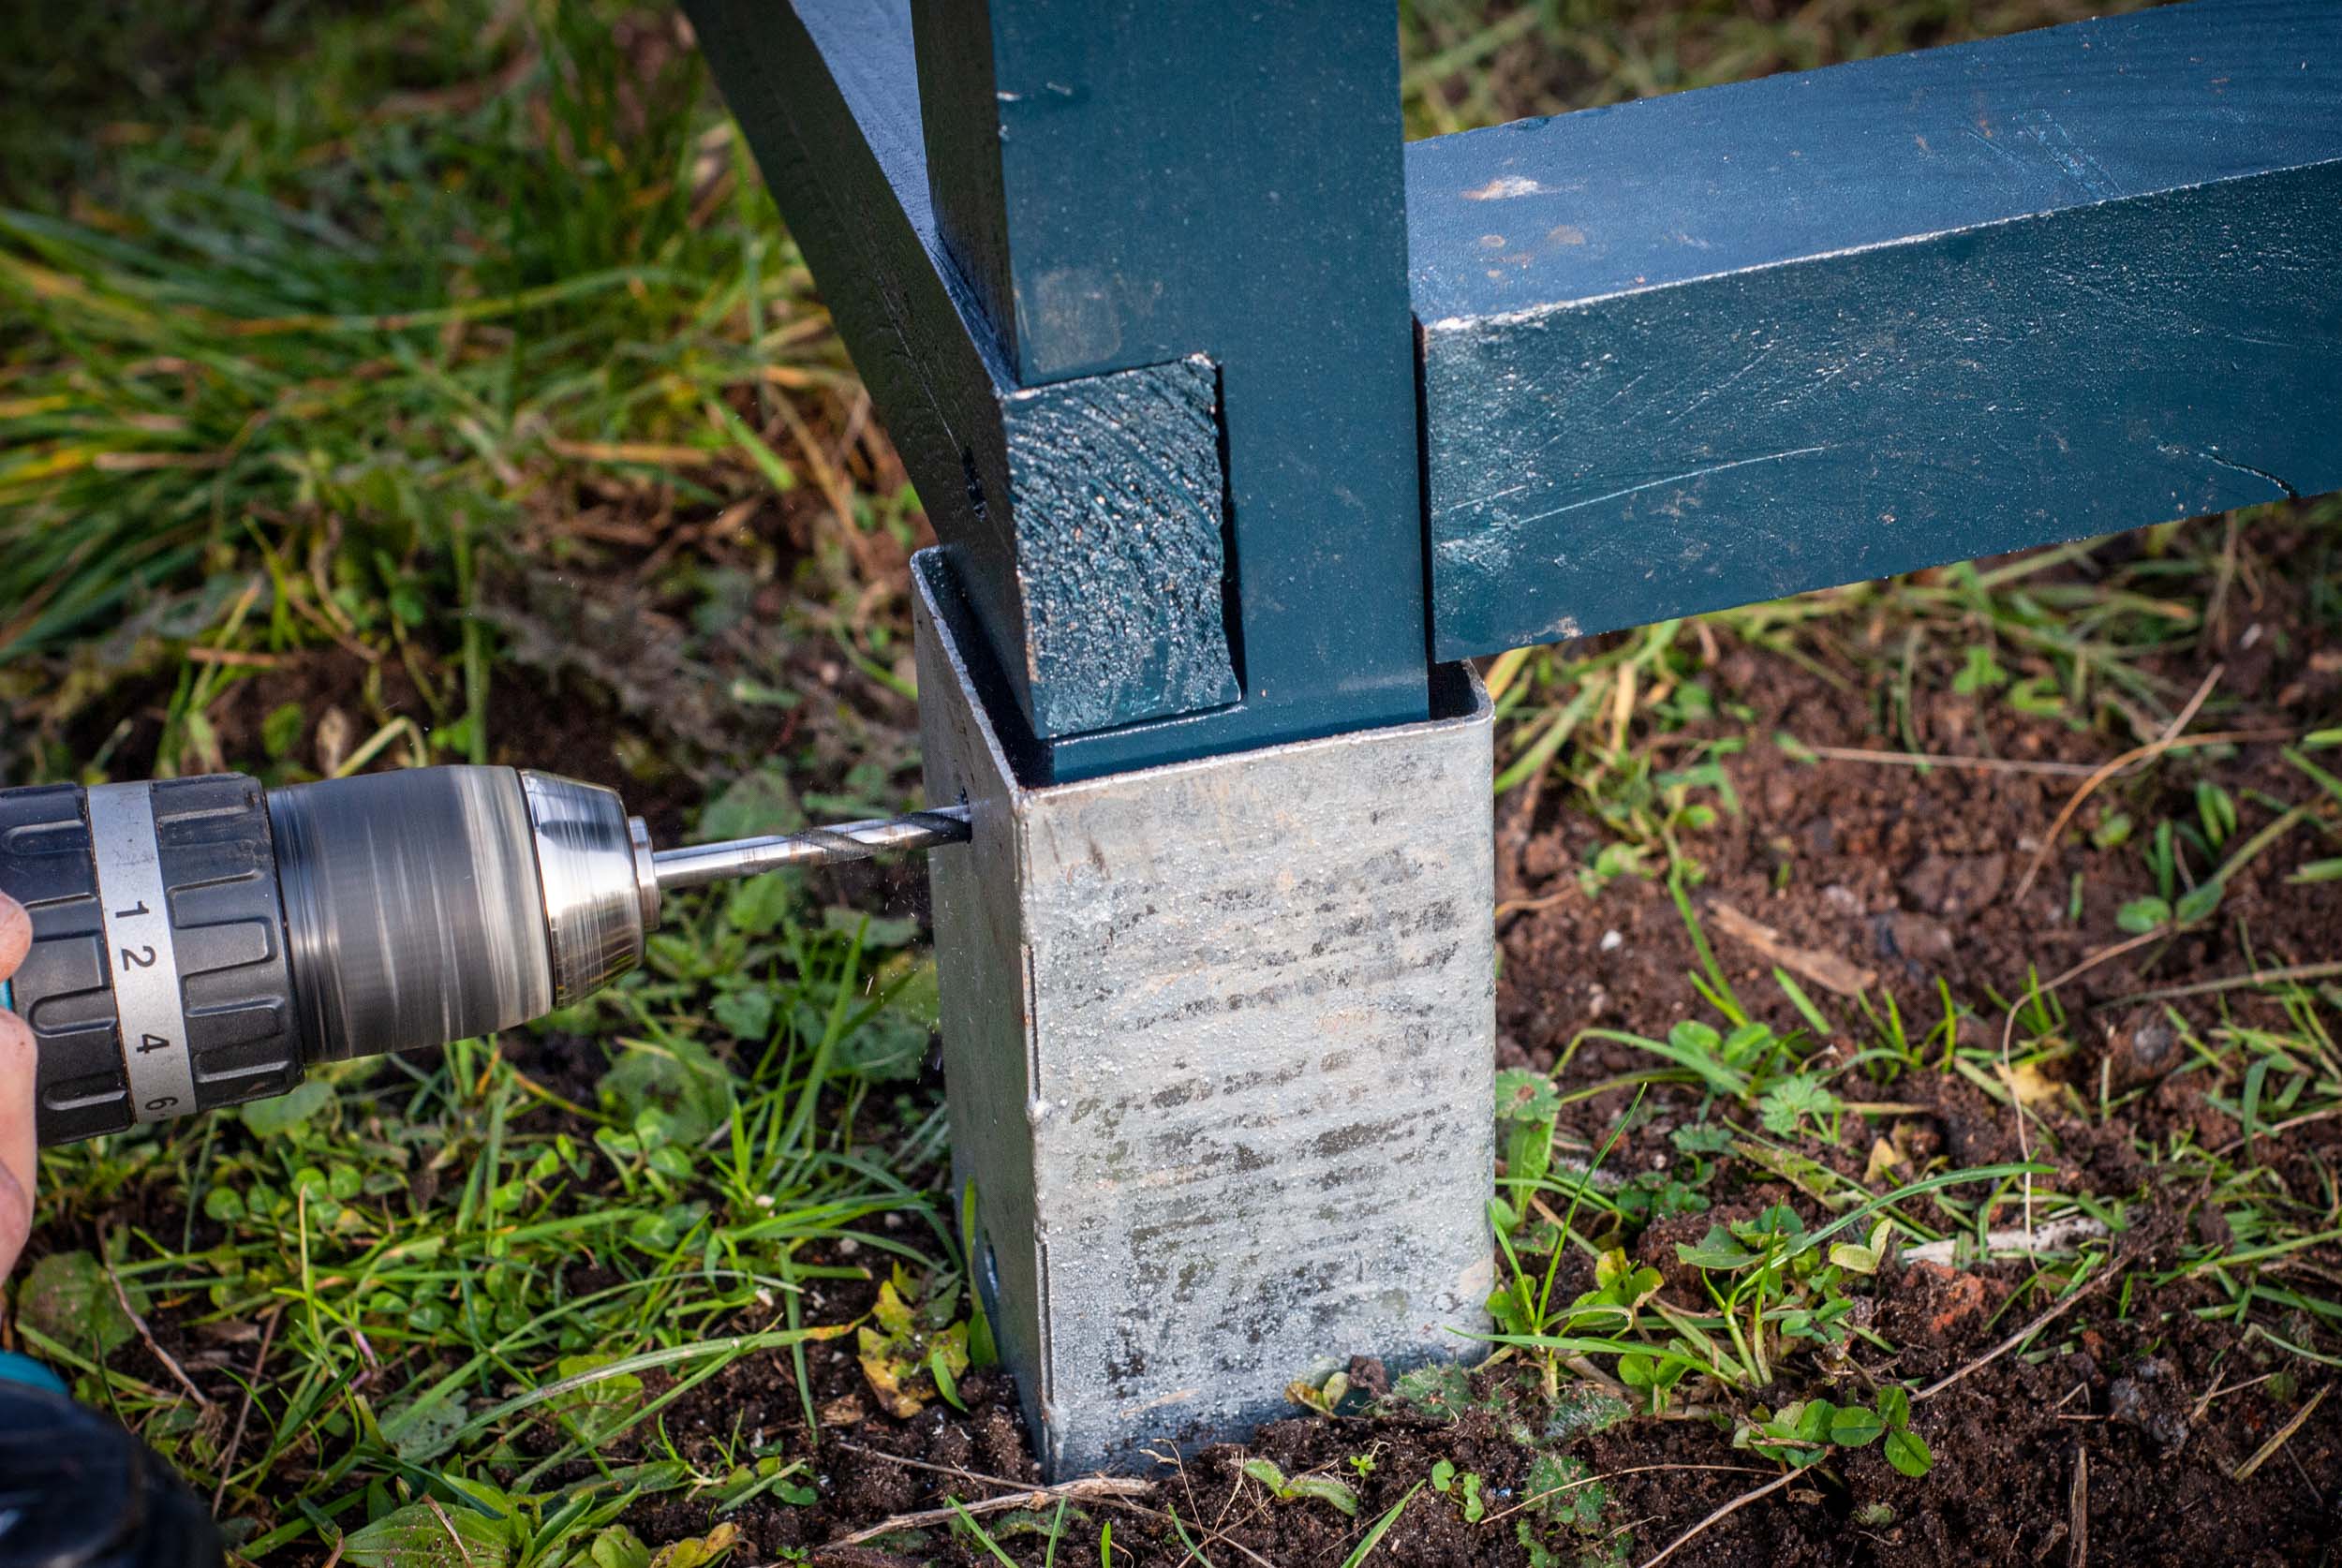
(1914, 875)
(1873, 865)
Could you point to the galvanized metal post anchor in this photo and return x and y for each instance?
(1218, 1040)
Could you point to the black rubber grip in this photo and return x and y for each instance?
(219, 869)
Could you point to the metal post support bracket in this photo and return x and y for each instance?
(1218, 1039)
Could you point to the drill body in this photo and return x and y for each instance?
(198, 943)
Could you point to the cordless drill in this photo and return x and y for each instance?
(198, 943)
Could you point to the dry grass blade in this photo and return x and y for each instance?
(1530, 906)
(1535, 1498)
(2278, 1439)
(243, 1412)
(1090, 1488)
(1021, 1488)
(2218, 1388)
(170, 1365)
(2129, 759)
(1825, 969)
(2136, 754)
(463, 1553)
(2291, 974)
(1720, 1515)
(2077, 1512)
(2019, 1338)
(1939, 760)
(2058, 1237)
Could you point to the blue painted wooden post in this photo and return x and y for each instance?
(1152, 371)
(1127, 183)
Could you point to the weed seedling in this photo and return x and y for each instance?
(1325, 1488)
(1462, 1487)
(1803, 1433)
(915, 1347)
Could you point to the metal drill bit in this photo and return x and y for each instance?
(697, 865)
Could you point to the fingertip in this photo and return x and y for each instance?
(16, 1220)
(20, 1074)
(16, 935)
(20, 1063)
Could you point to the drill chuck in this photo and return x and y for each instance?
(439, 903)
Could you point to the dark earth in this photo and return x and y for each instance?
(2129, 1400)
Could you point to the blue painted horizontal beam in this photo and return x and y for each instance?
(1706, 349)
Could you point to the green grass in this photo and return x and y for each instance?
(409, 1242)
(354, 355)
(357, 362)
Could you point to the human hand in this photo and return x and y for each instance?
(18, 1148)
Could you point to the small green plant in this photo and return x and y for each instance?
(1979, 672)
(1791, 1101)
(1561, 1488)
(1521, 1306)
(1464, 1487)
(2035, 697)
(1324, 1488)
(1324, 1397)
(1611, 862)
(1651, 1378)
(2168, 906)
(1802, 1433)
(1650, 810)
(2216, 808)
(1527, 1108)
(914, 1350)
(1649, 1195)
(1750, 1064)
(1775, 1288)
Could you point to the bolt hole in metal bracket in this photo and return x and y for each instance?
(1219, 1051)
